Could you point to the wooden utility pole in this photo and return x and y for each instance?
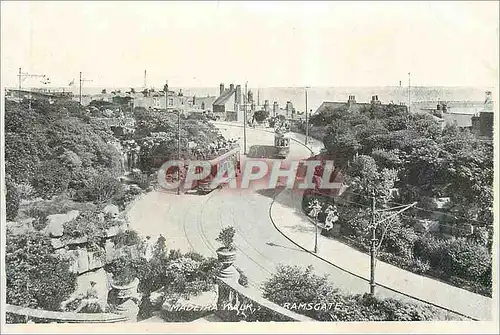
(82, 80)
(20, 78)
(307, 121)
(80, 90)
(245, 124)
(409, 92)
(373, 248)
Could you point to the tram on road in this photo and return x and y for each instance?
(231, 157)
(282, 143)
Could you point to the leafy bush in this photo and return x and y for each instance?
(226, 238)
(261, 115)
(100, 189)
(127, 238)
(292, 284)
(12, 199)
(51, 178)
(124, 270)
(36, 277)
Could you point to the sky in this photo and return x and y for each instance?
(267, 44)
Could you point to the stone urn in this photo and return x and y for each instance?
(125, 291)
(227, 257)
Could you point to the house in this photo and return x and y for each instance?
(228, 105)
(351, 104)
(482, 122)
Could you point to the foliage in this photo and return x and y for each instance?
(51, 178)
(301, 286)
(124, 270)
(226, 238)
(40, 210)
(126, 238)
(12, 199)
(100, 189)
(36, 277)
(261, 115)
(51, 145)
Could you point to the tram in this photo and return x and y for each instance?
(282, 143)
(231, 157)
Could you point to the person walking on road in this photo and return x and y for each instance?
(149, 249)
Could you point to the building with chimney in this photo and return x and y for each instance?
(482, 122)
(228, 106)
(351, 104)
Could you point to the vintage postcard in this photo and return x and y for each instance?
(243, 167)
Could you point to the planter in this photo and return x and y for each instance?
(226, 258)
(125, 291)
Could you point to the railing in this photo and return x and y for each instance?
(239, 303)
(65, 317)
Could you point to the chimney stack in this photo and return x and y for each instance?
(221, 88)
(231, 87)
(351, 100)
(237, 93)
(275, 108)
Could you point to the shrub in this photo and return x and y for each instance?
(292, 284)
(100, 189)
(51, 178)
(226, 238)
(12, 200)
(127, 238)
(455, 257)
(123, 269)
(36, 277)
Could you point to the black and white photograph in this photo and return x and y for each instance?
(254, 166)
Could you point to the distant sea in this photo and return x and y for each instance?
(316, 95)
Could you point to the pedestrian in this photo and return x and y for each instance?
(161, 245)
(149, 248)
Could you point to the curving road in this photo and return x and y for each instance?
(192, 222)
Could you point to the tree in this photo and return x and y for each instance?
(103, 91)
(342, 144)
(36, 277)
(261, 115)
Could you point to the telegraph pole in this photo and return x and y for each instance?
(307, 121)
(23, 76)
(80, 90)
(245, 123)
(409, 92)
(82, 80)
(316, 237)
(373, 247)
(20, 77)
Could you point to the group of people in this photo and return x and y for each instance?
(331, 213)
(215, 149)
(149, 247)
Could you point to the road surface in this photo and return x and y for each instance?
(193, 222)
